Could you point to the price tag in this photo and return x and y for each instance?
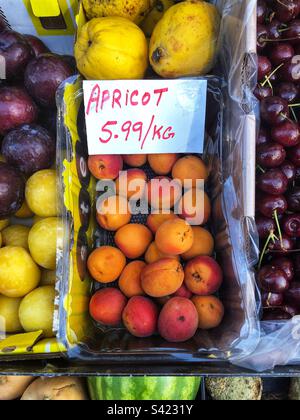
(145, 116)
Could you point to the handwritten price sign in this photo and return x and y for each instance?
(145, 116)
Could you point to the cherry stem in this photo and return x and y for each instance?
(261, 169)
(294, 115)
(284, 29)
(279, 40)
(294, 106)
(271, 237)
(278, 227)
(267, 79)
(286, 117)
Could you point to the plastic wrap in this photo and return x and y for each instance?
(279, 343)
(233, 220)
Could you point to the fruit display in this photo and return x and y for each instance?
(28, 184)
(183, 39)
(277, 157)
(158, 269)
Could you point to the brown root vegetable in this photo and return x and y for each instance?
(12, 387)
(56, 389)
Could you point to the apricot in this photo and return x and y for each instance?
(107, 306)
(203, 244)
(132, 184)
(210, 311)
(106, 264)
(163, 193)
(113, 213)
(178, 320)
(162, 278)
(153, 254)
(190, 168)
(105, 166)
(136, 161)
(203, 276)
(130, 280)
(133, 240)
(174, 237)
(154, 221)
(163, 163)
(195, 207)
(140, 316)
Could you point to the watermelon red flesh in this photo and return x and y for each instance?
(163, 388)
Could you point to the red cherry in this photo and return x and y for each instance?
(271, 300)
(287, 134)
(290, 71)
(287, 91)
(286, 265)
(273, 29)
(291, 225)
(293, 199)
(289, 170)
(280, 53)
(274, 110)
(268, 204)
(272, 279)
(271, 155)
(273, 182)
(286, 10)
(264, 67)
(282, 247)
(264, 226)
(262, 92)
(293, 32)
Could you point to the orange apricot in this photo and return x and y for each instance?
(210, 311)
(113, 213)
(133, 240)
(163, 163)
(203, 244)
(130, 279)
(190, 168)
(174, 237)
(162, 278)
(106, 263)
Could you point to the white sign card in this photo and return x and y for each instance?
(145, 116)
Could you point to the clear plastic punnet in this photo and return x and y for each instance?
(229, 154)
